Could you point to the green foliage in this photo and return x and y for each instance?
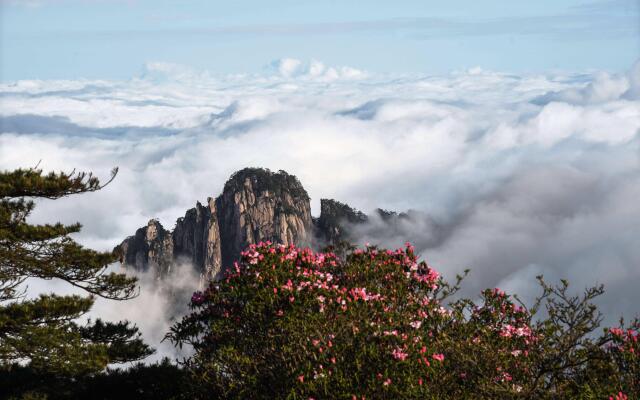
(158, 381)
(263, 179)
(334, 224)
(47, 251)
(334, 213)
(290, 323)
(43, 333)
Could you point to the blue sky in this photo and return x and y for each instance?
(49, 39)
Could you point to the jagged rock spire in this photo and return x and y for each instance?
(255, 205)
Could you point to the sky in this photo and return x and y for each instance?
(112, 39)
(510, 129)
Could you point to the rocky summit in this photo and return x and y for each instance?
(256, 205)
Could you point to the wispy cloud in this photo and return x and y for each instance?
(617, 18)
(39, 3)
(608, 6)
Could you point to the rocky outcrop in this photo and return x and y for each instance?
(255, 205)
(196, 239)
(336, 219)
(150, 247)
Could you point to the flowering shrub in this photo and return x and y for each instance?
(290, 323)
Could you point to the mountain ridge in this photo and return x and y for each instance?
(255, 205)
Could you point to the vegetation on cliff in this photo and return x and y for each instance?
(263, 179)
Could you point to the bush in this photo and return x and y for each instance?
(291, 323)
(161, 380)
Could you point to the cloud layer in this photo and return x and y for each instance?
(160, 303)
(509, 175)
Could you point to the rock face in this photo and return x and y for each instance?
(150, 247)
(196, 239)
(333, 225)
(256, 205)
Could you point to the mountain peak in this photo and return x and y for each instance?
(263, 179)
(256, 205)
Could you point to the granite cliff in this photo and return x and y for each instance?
(255, 205)
(336, 219)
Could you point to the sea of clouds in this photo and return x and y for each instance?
(511, 175)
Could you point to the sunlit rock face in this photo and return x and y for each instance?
(255, 205)
(196, 238)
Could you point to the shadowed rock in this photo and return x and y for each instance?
(335, 220)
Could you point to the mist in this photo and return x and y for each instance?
(159, 303)
(510, 175)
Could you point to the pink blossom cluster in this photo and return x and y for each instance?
(361, 294)
(333, 290)
(382, 316)
(197, 298)
(619, 396)
(520, 331)
(399, 354)
(509, 320)
(397, 311)
(626, 340)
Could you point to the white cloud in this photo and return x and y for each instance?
(158, 306)
(604, 87)
(161, 303)
(286, 67)
(314, 70)
(516, 173)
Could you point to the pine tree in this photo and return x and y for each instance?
(45, 333)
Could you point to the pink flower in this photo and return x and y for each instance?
(616, 331)
(197, 298)
(506, 377)
(288, 285)
(387, 382)
(416, 324)
(619, 396)
(439, 357)
(301, 378)
(399, 354)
